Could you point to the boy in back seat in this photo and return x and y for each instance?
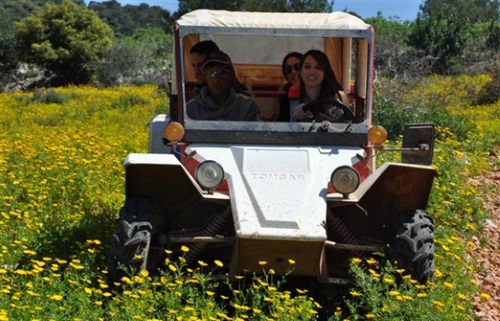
(217, 100)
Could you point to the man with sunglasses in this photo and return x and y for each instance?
(197, 55)
(217, 100)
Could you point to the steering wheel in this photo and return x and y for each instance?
(332, 110)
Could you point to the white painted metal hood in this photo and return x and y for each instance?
(278, 192)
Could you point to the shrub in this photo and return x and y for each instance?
(490, 93)
(378, 296)
(49, 96)
(392, 107)
(140, 59)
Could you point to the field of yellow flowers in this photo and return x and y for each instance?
(62, 185)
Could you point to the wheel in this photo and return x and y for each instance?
(131, 240)
(331, 110)
(413, 246)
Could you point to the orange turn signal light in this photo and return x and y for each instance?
(174, 132)
(377, 135)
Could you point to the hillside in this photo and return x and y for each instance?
(124, 20)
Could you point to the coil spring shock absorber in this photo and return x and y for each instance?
(339, 232)
(214, 227)
(337, 229)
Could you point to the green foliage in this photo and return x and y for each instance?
(442, 29)
(420, 100)
(127, 101)
(478, 55)
(125, 20)
(8, 56)
(122, 19)
(493, 40)
(186, 6)
(265, 6)
(377, 295)
(255, 5)
(394, 56)
(393, 110)
(444, 39)
(490, 93)
(49, 96)
(19, 9)
(309, 6)
(475, 10)
(142, 58)
(65, 39)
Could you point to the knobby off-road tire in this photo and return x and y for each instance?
(413, 247)
(131, 239)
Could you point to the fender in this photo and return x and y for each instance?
(391, 190)
(161, 177)
(406, 186)
(156, 134)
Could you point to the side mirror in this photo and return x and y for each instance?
(418, 144)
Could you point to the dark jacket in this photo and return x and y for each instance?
(237, 107)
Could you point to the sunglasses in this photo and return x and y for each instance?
(288, 69)
(223, 73)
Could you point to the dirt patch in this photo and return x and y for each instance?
(488, 257)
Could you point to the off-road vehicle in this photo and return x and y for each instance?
(246, 192)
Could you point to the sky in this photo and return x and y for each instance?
(402, 9)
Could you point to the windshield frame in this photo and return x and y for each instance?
(296, 133)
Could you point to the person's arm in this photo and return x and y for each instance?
(191, 109)
(253, 112)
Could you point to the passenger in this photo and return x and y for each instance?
(197, 55)
(217, 100)
(317, 82)
(290, 68)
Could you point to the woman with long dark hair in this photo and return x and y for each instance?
(317, 83)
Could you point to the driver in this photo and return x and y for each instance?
(317, 82)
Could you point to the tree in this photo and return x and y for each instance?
(19, 9)
(256, 5)
(493, 40)
(141, 58)
(127, 19)
(442, 28)
(65, 39)
(309, 6)
(113, 14)
(265, 6)
(8, 56)
(394, 56)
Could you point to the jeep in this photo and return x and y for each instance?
(307, 193)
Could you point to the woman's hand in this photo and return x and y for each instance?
(300, 114)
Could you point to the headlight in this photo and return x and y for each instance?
(345, 180)
(377, 135)
(174, 132)
(209, 175)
